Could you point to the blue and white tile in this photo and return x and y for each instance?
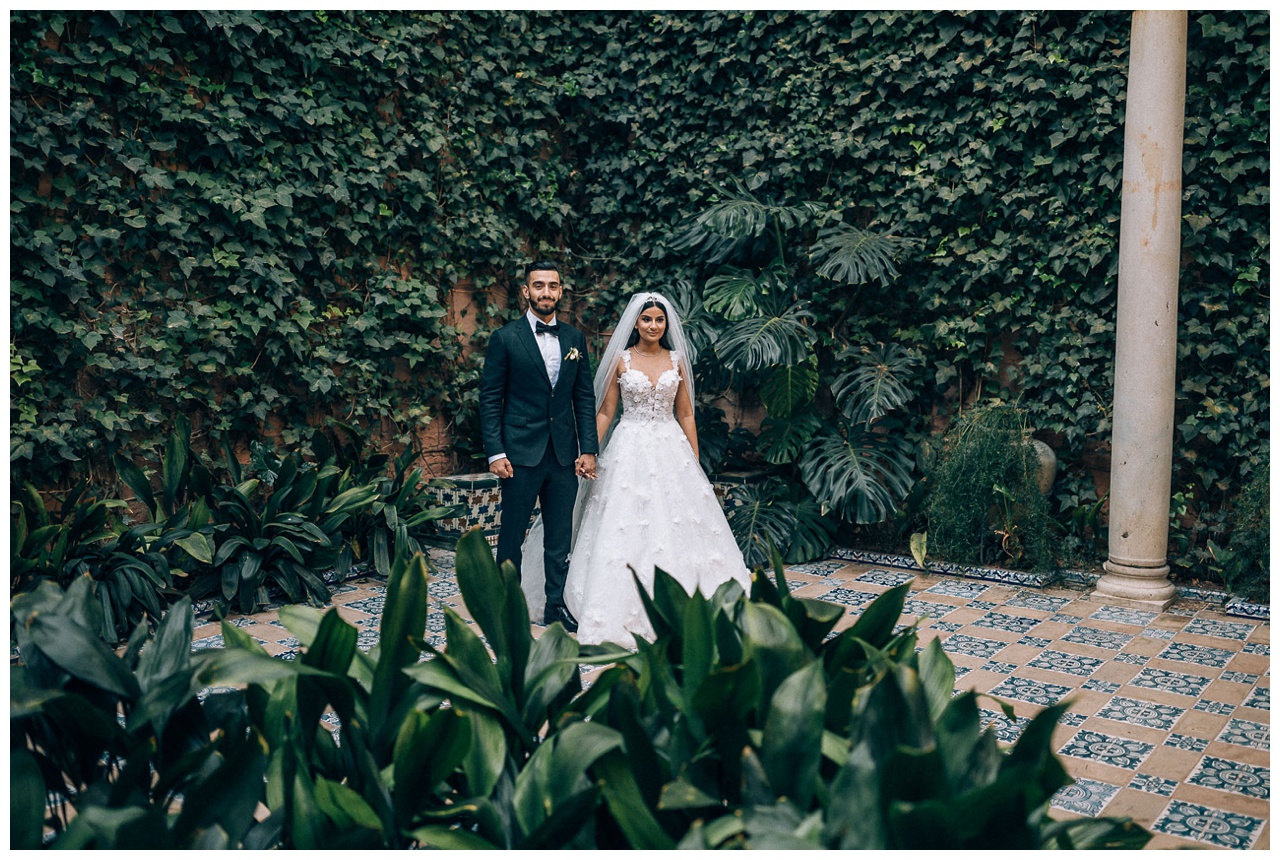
(850, 597)
(890, 578)
(213, 642)
(1073, 719)
(1262, 648)
(984, 605)
(1211, 826)
(1084, 797)
(1260, 698)
(823, 568)
(1181, 683)
(1186, 652)
(1030, 691)
(957, 588)
(1132, 659)
(1006, 622)
(1124, 615)
(972, 646)
(1186, 742)
(1236, 630)
(927, 608)
(1100, 686)
(1246, 733)
(1136, 712)
(1153, 784)
(1007, 730)
(1119, 752)
(1035, 642)
(373, 605)
(997, 668)
(945, 626)
(1211, 707)
(366, 639)
(1065, 618)
(1160, 633)
(1239, 678)
(1226, 775)
(1067, 664)
(1032, 600)
(1095, 637)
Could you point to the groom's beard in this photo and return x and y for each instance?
(544, 307)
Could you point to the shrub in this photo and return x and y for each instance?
(984, 503)
(1245, 564)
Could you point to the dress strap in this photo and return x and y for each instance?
(626, 358)
(674, 356)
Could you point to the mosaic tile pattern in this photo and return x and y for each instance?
(1116, 751)
(885, 577)
(1153, 784)
(1259, 698)
(1172, 682)
(1035, 600)
(1201, 655)
(1005, 621)
(1186, 742)
(1095, 637)
(1027, 690)
(1136, 712)
(1220, 629)
(1124, 615)
(1247, 734)
(1225, 775)
(927, 608)
(972, 646)
(1211, 826)
(1069, 664)
(1084, 797)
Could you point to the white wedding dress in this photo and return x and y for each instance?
(651, 505)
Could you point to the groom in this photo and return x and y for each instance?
(537, 411)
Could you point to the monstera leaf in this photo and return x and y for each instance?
(879, 381)
(736, 216)
(853, 256)
(783, 440)
(777, 338)
(788, 388)
(860, 475)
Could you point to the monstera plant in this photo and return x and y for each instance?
(775, 324)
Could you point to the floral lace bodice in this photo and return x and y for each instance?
(644, 401)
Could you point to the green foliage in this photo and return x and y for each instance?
(252, 217)
(1245, 563)
(984, 502)
(117, 751)
(746, 723)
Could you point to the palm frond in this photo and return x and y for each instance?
(860, 477)
(850, 255)
(785, 337)
(880, 381)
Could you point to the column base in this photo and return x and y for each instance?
(1136, 587)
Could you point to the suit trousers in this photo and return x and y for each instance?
(556, 488)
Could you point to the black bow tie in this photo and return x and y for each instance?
(543, 328)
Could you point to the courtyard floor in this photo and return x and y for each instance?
(1170, 714)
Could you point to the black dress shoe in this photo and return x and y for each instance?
(552, 614)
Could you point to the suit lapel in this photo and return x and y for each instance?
(524, 335)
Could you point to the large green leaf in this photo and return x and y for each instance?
(404, 620)
(80, 653)
(881, 379)
(783, 440)
(793, 732)
(788, 388)
(783, 337)
(26, 801)
(860, 475)
(853, 256)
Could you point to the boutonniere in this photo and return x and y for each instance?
(572, 355)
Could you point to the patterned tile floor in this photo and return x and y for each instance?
(1170, 714)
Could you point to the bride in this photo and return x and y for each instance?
(650, 504)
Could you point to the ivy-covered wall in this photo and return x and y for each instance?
(258, 217)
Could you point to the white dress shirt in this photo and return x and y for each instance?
(549, 346)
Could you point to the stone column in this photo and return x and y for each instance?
(1147, 314)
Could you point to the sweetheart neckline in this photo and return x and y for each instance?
(652, 385)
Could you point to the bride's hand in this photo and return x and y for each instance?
(585, 466)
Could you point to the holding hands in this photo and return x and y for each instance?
(585, 466)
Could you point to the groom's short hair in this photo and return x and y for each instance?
(540, 266)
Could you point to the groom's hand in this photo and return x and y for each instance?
(502, 468)
(585, 466)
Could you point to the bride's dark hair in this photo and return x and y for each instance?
(664, 341)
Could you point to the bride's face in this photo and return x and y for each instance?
(651, 326)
